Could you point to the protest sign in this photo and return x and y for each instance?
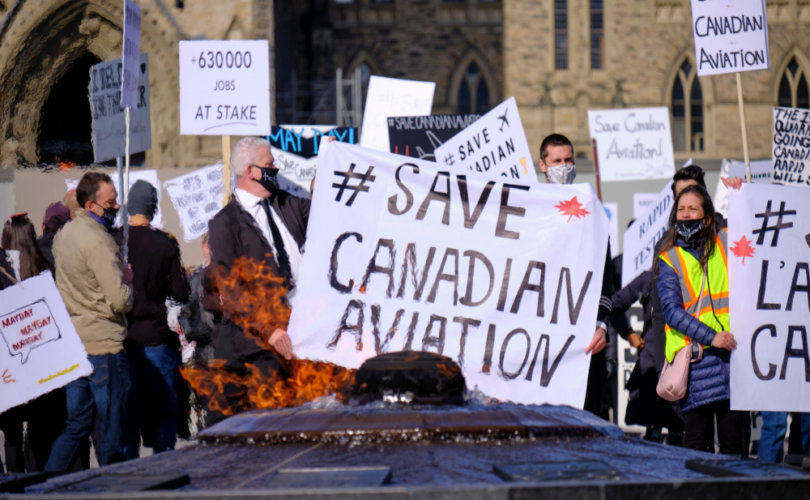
(295, 151)
(41, 350)
(196, 198)
(224, 87)
(642, 235)
(150, 176)
(791, 146)
(632, 144)
(130, 57)
(419, 136)
(769, 297)
(494, 146)
(403, 255)
(641, 201)
(730, 36)
(388, 97)
(109, 128)
(761, 173)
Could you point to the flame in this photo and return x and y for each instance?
(254, 298)
(66, 165)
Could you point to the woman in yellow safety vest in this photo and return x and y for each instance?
(692, 282)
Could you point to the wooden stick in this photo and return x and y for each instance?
(743, 129)
(226, 168)
(596, 170)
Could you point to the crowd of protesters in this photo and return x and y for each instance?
(118, 283)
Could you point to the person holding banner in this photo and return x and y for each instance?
(692, 284)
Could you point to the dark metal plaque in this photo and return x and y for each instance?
(583, 470)
(331, 477)
(749, 468)
(107, 483)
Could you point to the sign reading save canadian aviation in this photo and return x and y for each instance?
(109, 127)
(730, 36)
(224, 87)
(632, 144)
(40, 349)
(769, 283)
(402, 254)
(494, 146)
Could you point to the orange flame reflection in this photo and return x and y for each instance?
(66, 165)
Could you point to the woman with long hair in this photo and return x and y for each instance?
(692, 282)
(19, 234)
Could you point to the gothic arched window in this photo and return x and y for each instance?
(473, 93)
(793, 91)
(687, 110)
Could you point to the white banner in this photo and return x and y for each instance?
(791, 146)
(730, 36)
(109, 127)
(196, 197)
(769, 293)
(388, 97)
(632, 144)
(761, 173)
(402, 254)
(131, 52)
(224, 87)
(642, 235)
(493, 145)
(41, 350)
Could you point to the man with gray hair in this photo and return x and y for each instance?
(265, 224)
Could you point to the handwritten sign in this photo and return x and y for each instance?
(769, 294)
(494, 146)
(502, 276)
(388, 97)
(642, 235)
(633, 144)
(791, 146)
(224, 87)
(761, 173)
(130, 57)
(40, 348)
(196, 198)
(419, 136)
(730, 36)
(109, 127)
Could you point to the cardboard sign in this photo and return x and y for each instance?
(295, 150)
(419, 136)
(404, 255)
(761, 173)
(109, 126)
(130, 57)
(633, 144)
(791, 146)
(41, 350)
(494, 146)
(642, 235)
(641, 201)
(388, 97)
(197, 197)
(769, 294)
(224, 87)
(730, 36)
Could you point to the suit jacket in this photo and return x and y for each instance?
(233, 233)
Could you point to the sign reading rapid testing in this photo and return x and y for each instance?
(791, 146)
(109, 127)
(494, 146)
(388, 97)
(633, 144)
(769, 292)
(196, 198)
(643, 234)
(404, 255)
(730, 36)
(419, 136)
(40, 348)
(130, 57)
(224, 87)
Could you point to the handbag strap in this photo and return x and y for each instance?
(699, 307)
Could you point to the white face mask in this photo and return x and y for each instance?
(561, 174)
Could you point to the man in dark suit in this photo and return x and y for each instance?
(265, 224)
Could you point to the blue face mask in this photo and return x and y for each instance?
(689, 230)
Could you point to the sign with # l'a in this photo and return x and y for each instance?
(769, 295)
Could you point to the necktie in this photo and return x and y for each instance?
(281, 254)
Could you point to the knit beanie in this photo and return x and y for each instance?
(142, 199)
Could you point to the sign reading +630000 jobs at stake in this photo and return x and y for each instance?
(224, 87)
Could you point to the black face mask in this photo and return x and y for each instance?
(269, 178)
(688, 230)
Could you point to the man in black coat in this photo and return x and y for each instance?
(265, 224)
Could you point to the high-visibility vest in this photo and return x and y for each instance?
(690, 276)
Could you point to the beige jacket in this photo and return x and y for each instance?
(88, 275)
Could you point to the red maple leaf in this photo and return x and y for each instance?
(742, 248)
(572, 208)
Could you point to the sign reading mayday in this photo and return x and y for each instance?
(224, 87)
(769, 284)
(791, 146)
(730, 36)
(404, 255)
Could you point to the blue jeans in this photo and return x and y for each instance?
(774, 428)
(156, 370)
(103, 393)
